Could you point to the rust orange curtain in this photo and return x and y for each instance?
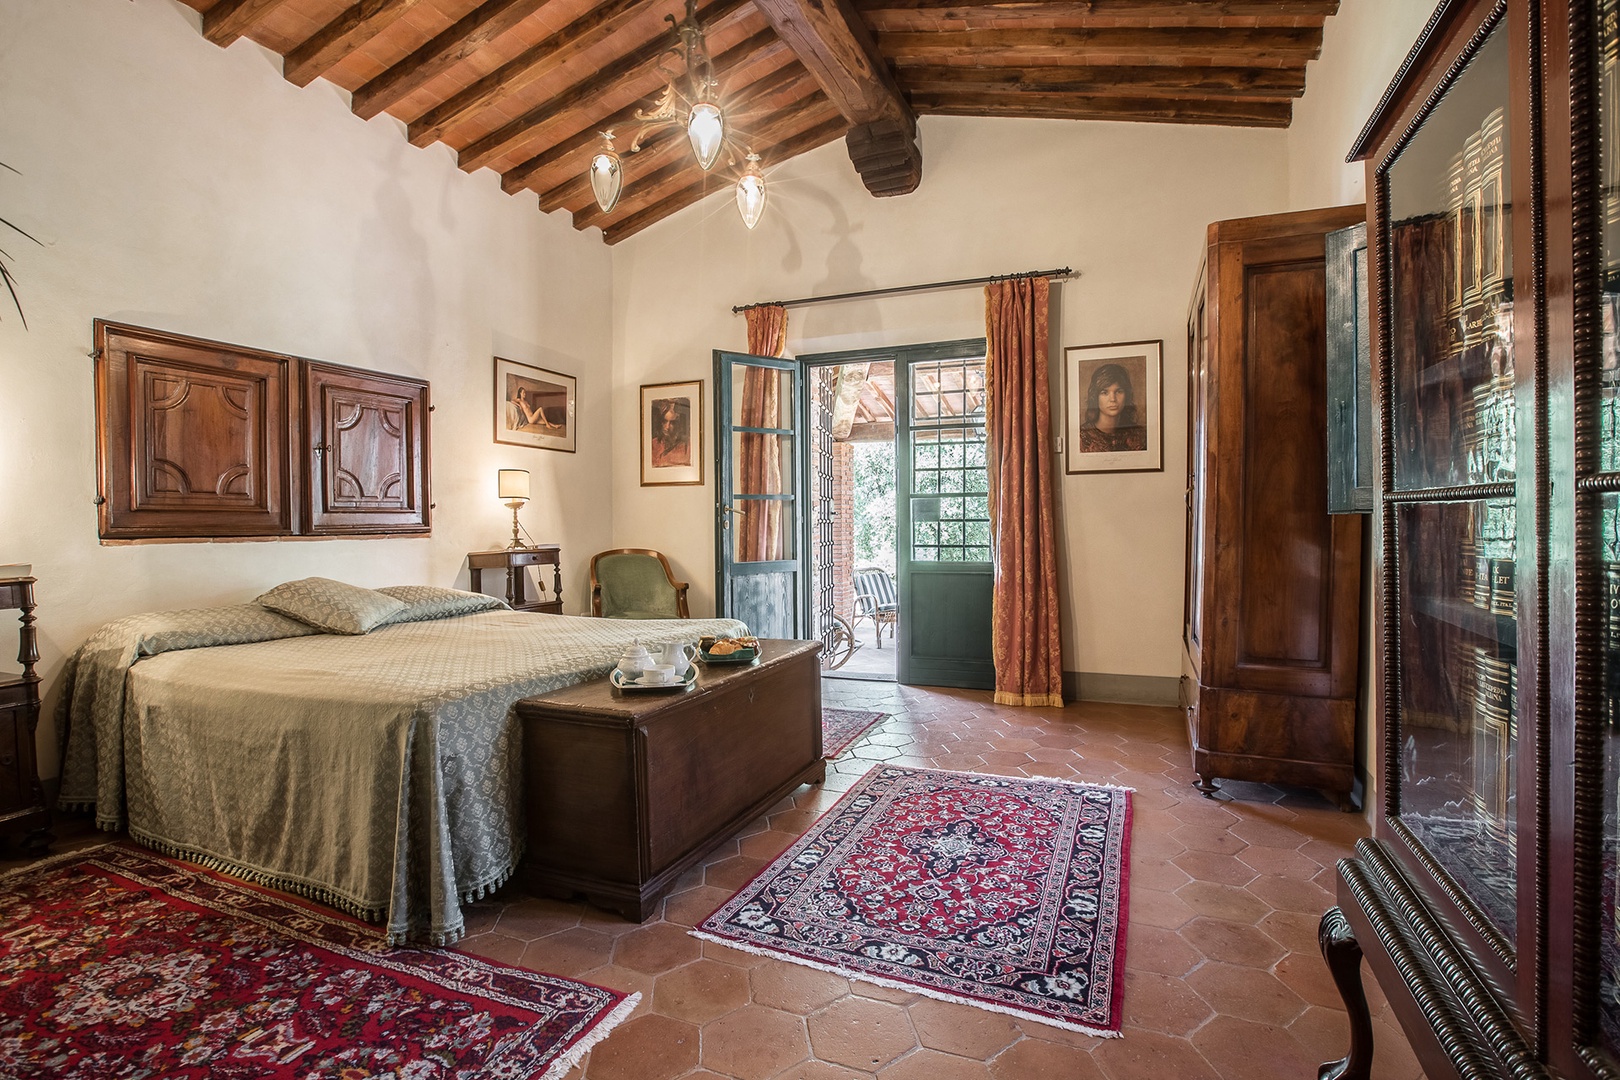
(1026, 646)
(760, 527)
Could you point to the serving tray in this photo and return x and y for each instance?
(686, 682)
(742, 656)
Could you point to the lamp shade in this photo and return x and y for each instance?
(514, 484)
(751, 192)
(707, 130)
(607, 175)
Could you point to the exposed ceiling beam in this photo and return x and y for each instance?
(641, 62)
(1077, 45)
(742, 114)
(727, 65)
(823, 133)
(325, 48)
(230, 19)
(1112, 80)
(1236, 112)
(528, 67)
(460, 40)
(837, 48)
(1116, 9)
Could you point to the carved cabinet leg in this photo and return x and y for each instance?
(1343, 956)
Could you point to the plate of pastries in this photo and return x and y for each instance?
(728, 650)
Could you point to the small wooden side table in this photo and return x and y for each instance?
(514, 561)
(22, 798)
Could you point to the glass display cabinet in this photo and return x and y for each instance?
(1486, 902)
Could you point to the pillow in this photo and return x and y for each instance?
(425, 602)
(331, 606)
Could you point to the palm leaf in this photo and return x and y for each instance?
(5, 271)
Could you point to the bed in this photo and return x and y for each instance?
(376, 772)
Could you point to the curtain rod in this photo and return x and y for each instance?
(1062, 272)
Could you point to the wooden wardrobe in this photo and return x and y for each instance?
(1273, 583)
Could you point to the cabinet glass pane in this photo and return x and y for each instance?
(1450, 255)
(1609, 922)
(1459, 692)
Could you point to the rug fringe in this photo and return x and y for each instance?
(49, 861)
(601, 1030)
(910, 988)
(1004, 776)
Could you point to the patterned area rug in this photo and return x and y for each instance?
(841, 727)
(1003, 892)
(120, 963)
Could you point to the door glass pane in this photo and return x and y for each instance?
(949, 500)
(1459, 693)
(1450, 259)
(1609, 710)
(761, 397)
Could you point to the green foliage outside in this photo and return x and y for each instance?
(874, 504)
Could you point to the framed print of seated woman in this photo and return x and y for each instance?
(1113, 407)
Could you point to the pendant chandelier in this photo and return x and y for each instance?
(687, 99)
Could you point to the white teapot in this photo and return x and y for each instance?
(634, 661)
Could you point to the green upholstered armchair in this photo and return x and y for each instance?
(635, 583)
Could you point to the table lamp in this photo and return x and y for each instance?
(514, 489)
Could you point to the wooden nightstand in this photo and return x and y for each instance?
(513, 561)
(22, 799)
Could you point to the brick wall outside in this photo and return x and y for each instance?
(843, 527)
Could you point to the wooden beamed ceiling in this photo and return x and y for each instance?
(525, 86)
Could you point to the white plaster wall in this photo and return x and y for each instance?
(181, 186)
(1126, 205)
(1362, 49)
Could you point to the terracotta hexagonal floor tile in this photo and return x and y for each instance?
(694, 905)
(1150, 1055)
(733, 873)
(1293, 930)
(713, 950)
(766, 845)
(961, 1029)
(1291, 894)
(795, 988)
(1160, 951)
(1308, 976)
(1243, 1048)
(1209, 866)
(569, 952)
(648, 1047)
(1287, 862)
(656, 948)
(1037, 1059)
(1215, 839)
(701, 991)
(1323, 1033)
(861, 1033)
(892, 994)
(1246, 993)
(1269, 834)
(507, 950)
(754, 1043)
(1240, 944)
(621, 978)
(1164, 1004)
(1155, 908)
(1158, 874)
(818, 1070)
(925, 1064)
(531, 918)
(1217, 901)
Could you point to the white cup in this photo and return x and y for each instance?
(658, 674)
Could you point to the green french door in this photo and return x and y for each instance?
(942, 521)
(757, 508)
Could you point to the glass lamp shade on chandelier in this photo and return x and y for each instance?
(688, 99)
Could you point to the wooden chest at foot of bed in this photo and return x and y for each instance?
(625, 791)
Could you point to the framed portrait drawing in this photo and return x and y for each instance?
(533, 406)
(1113, 406)
(672, 433)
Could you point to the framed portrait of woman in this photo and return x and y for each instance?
(672, 433)
(533, 406)
(1113, 405)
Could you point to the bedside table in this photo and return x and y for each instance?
(22, 800)
(514, 561)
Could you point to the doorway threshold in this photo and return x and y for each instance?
(860, 676)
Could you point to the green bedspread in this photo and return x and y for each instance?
(377, 773)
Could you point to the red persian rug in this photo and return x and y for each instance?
(118, 963)
(1004, 892)
(841, 727)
